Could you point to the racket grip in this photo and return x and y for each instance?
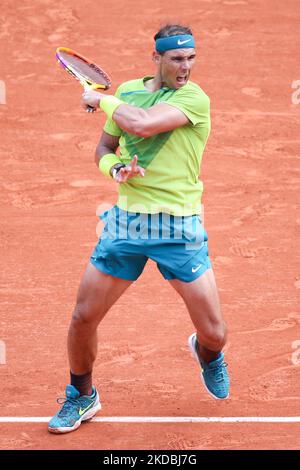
(90, 109)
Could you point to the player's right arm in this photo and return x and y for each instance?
(108, 144)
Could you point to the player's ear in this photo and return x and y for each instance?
(156, 57)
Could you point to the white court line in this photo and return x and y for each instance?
(2, 92)
(164, 419)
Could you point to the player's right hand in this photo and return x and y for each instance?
(130, 171)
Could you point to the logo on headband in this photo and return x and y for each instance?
(175, 42)
(182, 42)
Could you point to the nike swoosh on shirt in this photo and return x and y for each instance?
(179, 42)
(194, 270)
(81, 412)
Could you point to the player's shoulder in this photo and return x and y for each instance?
(131, 85)
(193, 89)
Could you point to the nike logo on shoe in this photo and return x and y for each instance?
(179, 42)
(195, 269)
(81, 412)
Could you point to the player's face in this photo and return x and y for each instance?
(175, 66)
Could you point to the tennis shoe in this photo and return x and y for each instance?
(75, 409)
(214, 374)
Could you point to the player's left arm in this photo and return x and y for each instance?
(161, 117)
(147, 122)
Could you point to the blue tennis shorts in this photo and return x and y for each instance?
(177, 244)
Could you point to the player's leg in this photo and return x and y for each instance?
(183, 259)
(202, 301)
(97, 293)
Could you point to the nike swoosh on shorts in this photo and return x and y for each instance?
(194, 270)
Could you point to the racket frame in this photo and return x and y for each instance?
(85, 81)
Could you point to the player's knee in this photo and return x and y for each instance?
(82, 316)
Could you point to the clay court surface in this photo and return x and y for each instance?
(51, 189)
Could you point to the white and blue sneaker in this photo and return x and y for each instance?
(75, 409)
(214, 374)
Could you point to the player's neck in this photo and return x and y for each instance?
(154, 84)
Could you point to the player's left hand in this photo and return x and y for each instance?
(91, 98)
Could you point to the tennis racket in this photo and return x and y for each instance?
(86, 72)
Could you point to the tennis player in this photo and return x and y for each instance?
(161, 125)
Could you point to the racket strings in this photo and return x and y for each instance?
(82, 69)
(101, 72)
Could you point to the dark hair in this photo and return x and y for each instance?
(172, 30)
